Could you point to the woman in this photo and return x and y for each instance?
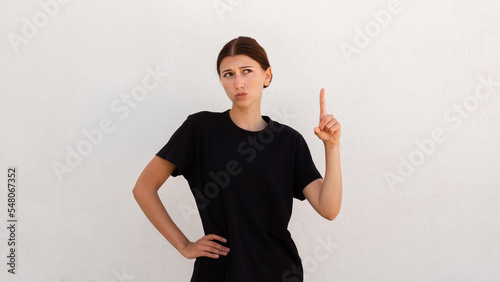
(244, 170)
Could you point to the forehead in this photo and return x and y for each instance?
(236, 61)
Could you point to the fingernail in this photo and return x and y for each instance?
(224, 253)
(227, 249)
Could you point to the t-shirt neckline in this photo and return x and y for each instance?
(244, 131)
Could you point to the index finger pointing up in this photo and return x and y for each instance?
(322, 103)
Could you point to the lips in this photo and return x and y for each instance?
(241, 95)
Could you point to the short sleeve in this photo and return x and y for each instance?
(305, 169)
(179, 149)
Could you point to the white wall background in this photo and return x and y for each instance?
(61, 74)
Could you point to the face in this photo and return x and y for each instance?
(243, 79)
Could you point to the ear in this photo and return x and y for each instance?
(269, 76)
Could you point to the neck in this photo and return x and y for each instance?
(247, 118)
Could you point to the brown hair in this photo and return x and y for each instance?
(245, 46)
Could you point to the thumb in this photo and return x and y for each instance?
(317, 130)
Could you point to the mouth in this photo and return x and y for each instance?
(240, 95)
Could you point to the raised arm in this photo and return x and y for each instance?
(325, 195)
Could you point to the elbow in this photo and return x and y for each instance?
(141, 190)
(331, 215)
(137, 191)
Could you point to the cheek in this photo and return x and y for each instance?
(254, 79)
(227, 87)
(224, 83)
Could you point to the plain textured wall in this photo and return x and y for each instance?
(419, 146)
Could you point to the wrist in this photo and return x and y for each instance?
(329, 145)
(183, 247)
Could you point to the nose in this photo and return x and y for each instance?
(238, 82)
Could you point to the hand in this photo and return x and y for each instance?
(205, 247)
(328, 129)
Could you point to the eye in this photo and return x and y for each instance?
(247, 70)
(227, 74)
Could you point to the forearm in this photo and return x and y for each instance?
(330, 198)
(155, 211)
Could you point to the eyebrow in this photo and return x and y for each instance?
(240, 68)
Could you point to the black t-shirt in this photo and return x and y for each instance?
(244, 183)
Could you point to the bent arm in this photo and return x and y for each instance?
(145, 193)
(325, 195)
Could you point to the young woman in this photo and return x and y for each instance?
(243, 170)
